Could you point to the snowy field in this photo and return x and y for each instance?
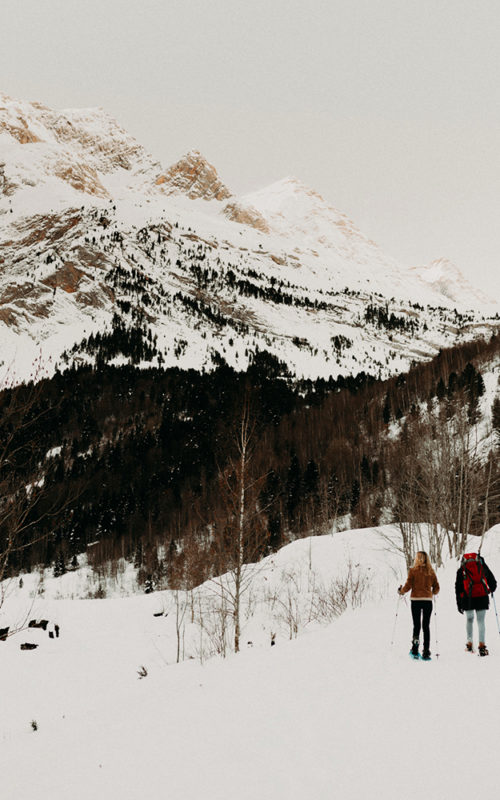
(339, 711)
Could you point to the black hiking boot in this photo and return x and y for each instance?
(426, 655)
(414, 648)
(483, 650)
(469, 648)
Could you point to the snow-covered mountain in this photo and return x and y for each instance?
(444, 276)
(96, 234)
(59, 157)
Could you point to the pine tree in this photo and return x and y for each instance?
(386, 412)
(440, 389)
(59, 566)
(293, 488)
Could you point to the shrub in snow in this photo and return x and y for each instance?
(38, 623)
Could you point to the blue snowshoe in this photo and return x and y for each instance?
(414, 650)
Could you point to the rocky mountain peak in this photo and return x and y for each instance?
(194, 177)
(15, 120)
(89, 233)
(289, 207)
(54, 153)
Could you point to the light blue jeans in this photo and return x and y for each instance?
(480, 615)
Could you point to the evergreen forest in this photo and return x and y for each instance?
(124, 463)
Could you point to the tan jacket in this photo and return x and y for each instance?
(423, 584)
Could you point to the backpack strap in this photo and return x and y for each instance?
(480, 562)
(466, 574)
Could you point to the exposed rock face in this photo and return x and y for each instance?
(6, 187)
(90, 152)
(52, 267)
(67, 278)
(21, 132)
(96, 135)
(245, 215)
(83, 148)
(82, 178)
(194, 177)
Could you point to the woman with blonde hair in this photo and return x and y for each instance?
(424, 585)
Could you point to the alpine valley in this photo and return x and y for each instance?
(166, 346)
(230, 423)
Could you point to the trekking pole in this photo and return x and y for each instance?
(395, 619)
(436, 626)
(496, 615)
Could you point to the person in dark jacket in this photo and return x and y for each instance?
(472, 595)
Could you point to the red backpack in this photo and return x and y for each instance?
(475, 583)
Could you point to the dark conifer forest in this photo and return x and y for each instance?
(131, 461)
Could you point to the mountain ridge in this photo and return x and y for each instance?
(92, 226)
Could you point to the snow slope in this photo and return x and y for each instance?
(341, 711)
(444, 276)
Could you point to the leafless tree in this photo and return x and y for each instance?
(240, 534)
(442, 477)
(26, 502)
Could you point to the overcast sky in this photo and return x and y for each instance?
(389, 108)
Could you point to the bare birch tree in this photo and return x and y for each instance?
(241, 534)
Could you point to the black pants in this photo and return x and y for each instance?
(421, 611)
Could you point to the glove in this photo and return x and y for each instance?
(460, 611)
(399, 589)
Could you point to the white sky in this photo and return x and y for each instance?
(389, 108)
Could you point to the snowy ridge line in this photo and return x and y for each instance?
(200, 301)
(216, 276)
